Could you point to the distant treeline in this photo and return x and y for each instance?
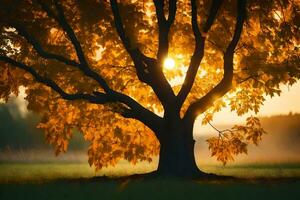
(284, 130)
(20, 132)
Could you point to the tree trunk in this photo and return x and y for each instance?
(177, 150)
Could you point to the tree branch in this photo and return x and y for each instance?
(248, 78)
(61, 19)
(164, 26)
(38, 47)
(212, 14)
(83, 66)
(136, 111)
(172, 12)
(147, 68)
(50, 83)
(159, 8)
(141, 62)
(202, 104)
(199, 48)
(133, 51)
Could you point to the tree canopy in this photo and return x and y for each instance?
(87, 65)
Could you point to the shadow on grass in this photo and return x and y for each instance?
(149, 187)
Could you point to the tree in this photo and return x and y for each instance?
(97, 66)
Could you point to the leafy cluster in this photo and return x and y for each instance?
(234, 141)
(111, 137)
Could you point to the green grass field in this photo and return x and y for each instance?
(41, 172)
(74, 181)
(44, 172)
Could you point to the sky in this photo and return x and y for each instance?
(288, 101)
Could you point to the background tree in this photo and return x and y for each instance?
(98, 66)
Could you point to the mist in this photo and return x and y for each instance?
(280, 144)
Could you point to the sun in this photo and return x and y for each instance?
(169, 63)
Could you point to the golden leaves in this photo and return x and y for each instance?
(8, 81)
(234, 141)
(209, 114)
(131, 141)
(255, 130)
(226, 147)
(111, 137)
(247, 99)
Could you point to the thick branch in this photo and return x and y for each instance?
(172, 12)
(136, 111)
(141, 62)
(70, 32)
(138, 58)
(50, 83)
(160, 15)
(164, 26)
(147, 68)
(199, 48)
(225, 84)
(84, 67)
(212, 14)
(134, 52)
(38, 47)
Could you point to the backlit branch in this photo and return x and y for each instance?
(134, 110)
(50, 83)
(212, 14)
(147, 68)
(38, 47)
(172, 12)
(137, 57)
(164, 26)
(84, 67)
(137, 111)
(199, 48)
(134, 52)
(202, 104)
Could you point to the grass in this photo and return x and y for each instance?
(287, 170)
(41, 172)
(74, 181)
(151, 189)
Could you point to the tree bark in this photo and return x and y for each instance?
(177, 156)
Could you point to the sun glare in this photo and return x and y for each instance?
(169, 63)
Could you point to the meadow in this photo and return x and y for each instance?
(29, 172)
(79, 181)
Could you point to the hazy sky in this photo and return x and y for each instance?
(288, 101)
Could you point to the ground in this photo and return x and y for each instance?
(153, 189)
(78, 181)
